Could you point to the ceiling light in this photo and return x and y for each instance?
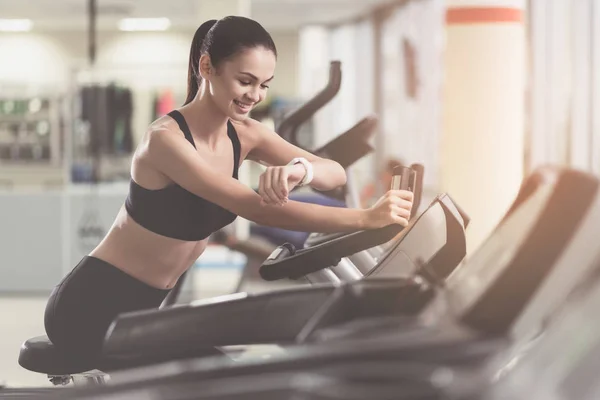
(144, 24)
(15, 25)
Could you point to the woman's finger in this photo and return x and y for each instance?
(278, 186)
(401, 212)
(269, 191)
(261, 189)
(401, 202)
(403, 194)
(284, 183)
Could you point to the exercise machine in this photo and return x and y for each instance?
(497, 304)
(278, 317)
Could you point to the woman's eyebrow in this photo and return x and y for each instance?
(254, 77)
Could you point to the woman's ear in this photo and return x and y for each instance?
(205, 66)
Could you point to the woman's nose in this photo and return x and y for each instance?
(253, 95)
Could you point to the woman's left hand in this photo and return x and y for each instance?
(276, 183)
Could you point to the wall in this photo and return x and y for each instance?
(551, 55)
(352, 45)
(411, 83)
(32, 62)
(564, 51)
(151, 50)
(145, 61)
(285, 83)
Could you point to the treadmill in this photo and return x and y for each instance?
(498, 301)
(287, 316)
(281, 317)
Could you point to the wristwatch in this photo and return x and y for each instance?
(308, 176)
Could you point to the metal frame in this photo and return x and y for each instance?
(93, 377)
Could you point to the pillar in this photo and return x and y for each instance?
(482, 143)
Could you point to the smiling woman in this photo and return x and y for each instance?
(184, 187)
(217, 41)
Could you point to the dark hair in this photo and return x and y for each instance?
(222, 39)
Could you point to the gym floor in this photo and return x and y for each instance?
(23, 318)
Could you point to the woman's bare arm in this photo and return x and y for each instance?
(271, 149)
(172, 155)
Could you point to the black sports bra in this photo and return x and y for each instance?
(175, 212)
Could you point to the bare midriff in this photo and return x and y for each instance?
(151, 258)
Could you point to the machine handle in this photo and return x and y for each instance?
(286, 262)
(288, 129)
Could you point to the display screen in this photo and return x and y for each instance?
(389, 254)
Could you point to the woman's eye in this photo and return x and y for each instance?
(244, 83)
(264, 86)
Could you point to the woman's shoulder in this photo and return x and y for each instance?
(162, 124)
(249, 130)
(158, 127)
(158, 134)
(248, 125)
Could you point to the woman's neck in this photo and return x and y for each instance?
(206, 122)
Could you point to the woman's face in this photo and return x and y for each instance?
(242, 81)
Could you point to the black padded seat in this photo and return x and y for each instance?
(38, 354)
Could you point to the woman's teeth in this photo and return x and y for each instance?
(243, 105)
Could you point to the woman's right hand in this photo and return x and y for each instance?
(392, 208)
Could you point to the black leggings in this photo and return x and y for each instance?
(84, 304)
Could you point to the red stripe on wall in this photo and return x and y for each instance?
(482, 15)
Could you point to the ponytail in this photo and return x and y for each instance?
(194, 77)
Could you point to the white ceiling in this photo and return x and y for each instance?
(184, 14)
